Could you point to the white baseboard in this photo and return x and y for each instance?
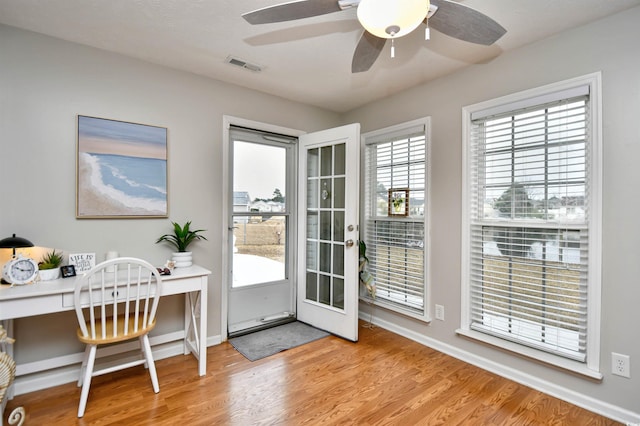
(65, 369)
(584, 401)
(214, 340)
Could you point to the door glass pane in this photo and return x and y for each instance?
(324, 289)
(339, 165)
(325, 193)
(312, 255)
(338, 259)
(338, 226)
(338, 193)
(325, 257)
(338, 293)
(312, 286)
(312, 193)
(325, 225)
(259, 213)
(313, 160)
(325, 161)
(312, 224)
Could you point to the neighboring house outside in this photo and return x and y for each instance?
(241, 201)
(267, 206)
(260, 206)
(275, 206)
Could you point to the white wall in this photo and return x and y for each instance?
(44, 84)
(610, 46)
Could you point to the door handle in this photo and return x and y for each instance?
(348, 243)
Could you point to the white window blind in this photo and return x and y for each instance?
(529, 182)
(396, 243)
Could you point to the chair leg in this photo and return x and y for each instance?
(83, 367)
(146, 350)
(86, 382)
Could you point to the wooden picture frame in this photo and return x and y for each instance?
(398, 202)
(121, 170)
(68, 271)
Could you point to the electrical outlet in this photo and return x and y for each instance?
(440, 312)
(620, 365)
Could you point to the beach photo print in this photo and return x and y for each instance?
(121, 169)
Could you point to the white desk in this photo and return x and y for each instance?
(47, 297)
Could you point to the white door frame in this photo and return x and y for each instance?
(227, 122)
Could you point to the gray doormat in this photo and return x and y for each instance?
(264, 343)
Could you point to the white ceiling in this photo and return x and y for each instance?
(307, 60)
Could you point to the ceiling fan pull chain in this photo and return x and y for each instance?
(427, 31)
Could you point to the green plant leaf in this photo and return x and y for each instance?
(50, 260)
(182, 236)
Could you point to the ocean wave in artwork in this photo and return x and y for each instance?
(134, 182)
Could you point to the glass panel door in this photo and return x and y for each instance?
(260, 288)
(328, 260)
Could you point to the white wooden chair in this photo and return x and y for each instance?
(116, 301)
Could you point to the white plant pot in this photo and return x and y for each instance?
(49, 274)
(182, 259)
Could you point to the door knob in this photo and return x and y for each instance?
(350, 228)
(348, 243)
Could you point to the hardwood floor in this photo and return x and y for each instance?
(384, 379)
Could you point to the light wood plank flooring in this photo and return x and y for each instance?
(384, 379)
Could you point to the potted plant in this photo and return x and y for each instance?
(180, 239)
(49, 266)
(365, 276)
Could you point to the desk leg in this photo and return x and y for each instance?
(192, 333)
(188, 314)
(196, 327)
(202, 366)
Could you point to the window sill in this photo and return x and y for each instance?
(556, 361)
(396, 308)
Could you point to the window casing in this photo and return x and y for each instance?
(397, 160)
(532, 223)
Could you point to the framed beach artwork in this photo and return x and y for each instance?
(121, 169)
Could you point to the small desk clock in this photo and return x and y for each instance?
(20, 270)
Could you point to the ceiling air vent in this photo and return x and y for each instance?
(243, 64)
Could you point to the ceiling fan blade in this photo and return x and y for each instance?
(367, 51)
(464, 23)
(291, 11)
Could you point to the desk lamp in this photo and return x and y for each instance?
(15, 242)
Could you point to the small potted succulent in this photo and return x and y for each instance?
(49, 265)
(180, 239)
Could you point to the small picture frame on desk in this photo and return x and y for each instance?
(68, 271)
(82, 262)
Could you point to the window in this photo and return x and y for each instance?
(395, 215)
(532, 236)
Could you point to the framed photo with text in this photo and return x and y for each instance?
(398, 203)
(121, 169)
(82, 262)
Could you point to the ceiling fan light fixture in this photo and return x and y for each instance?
(392, 18)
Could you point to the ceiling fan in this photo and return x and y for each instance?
(389, 19)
